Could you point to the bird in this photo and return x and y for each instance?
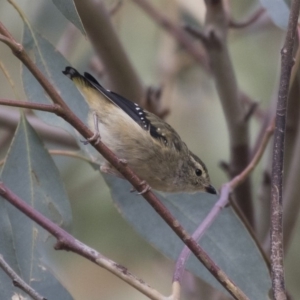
(149, 145)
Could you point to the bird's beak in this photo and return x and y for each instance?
(210, 189)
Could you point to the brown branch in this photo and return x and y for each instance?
(223, 201)
(66, 241)
(252, 19)
(9, 119)
(18, 281)
(278, 281)
(124, 169)
(180, 35)
(56, 109)
(214, 37)
(97, 23)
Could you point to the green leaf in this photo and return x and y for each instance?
(30, 172)
(51, 63)
(278, 10)
(227, 241)
(68, 9)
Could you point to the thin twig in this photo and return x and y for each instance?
(183, 39)
(222, 202)
(52, 108)
(18, 281)
(125, 170)
(253, 18)
(9, 119)
(277, 268)
(65, 241)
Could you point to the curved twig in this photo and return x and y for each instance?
(18, 281)
(252, 19)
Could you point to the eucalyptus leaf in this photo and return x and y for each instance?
(51, 63)
(68, 9)
(227, 241)
(278, 10)
(30, 172)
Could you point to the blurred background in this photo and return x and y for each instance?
(195, 112)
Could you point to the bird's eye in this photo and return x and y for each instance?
(198, 172)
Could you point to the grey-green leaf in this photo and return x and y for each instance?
(68, 9)
(30, 172)
(227, 241)
(278, 10)
(51, 63)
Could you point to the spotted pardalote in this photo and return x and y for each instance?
(150, 146)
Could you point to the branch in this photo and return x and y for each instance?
(214, 37)
(18, 281)
(56, 109)
(277, 268)
(124, 169)
(97, 23)
(222, 202)
(180, 35)
(9, 118)
(252, 19)
(67, 242)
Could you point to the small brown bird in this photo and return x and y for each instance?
(150, 146)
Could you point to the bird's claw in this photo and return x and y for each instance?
(123, 161)
(145, 190)
(95, 138)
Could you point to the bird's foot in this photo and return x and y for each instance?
(95, 138)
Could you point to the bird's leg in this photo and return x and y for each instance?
(96, 136)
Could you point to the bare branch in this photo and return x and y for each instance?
(65, 241)
(252, 19)
(183, 39)
(30, 105)
(215, 31)
(277, 268)
(9, 119)
(97, 23)
(18, 281)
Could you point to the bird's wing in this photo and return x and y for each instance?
(145, 119)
